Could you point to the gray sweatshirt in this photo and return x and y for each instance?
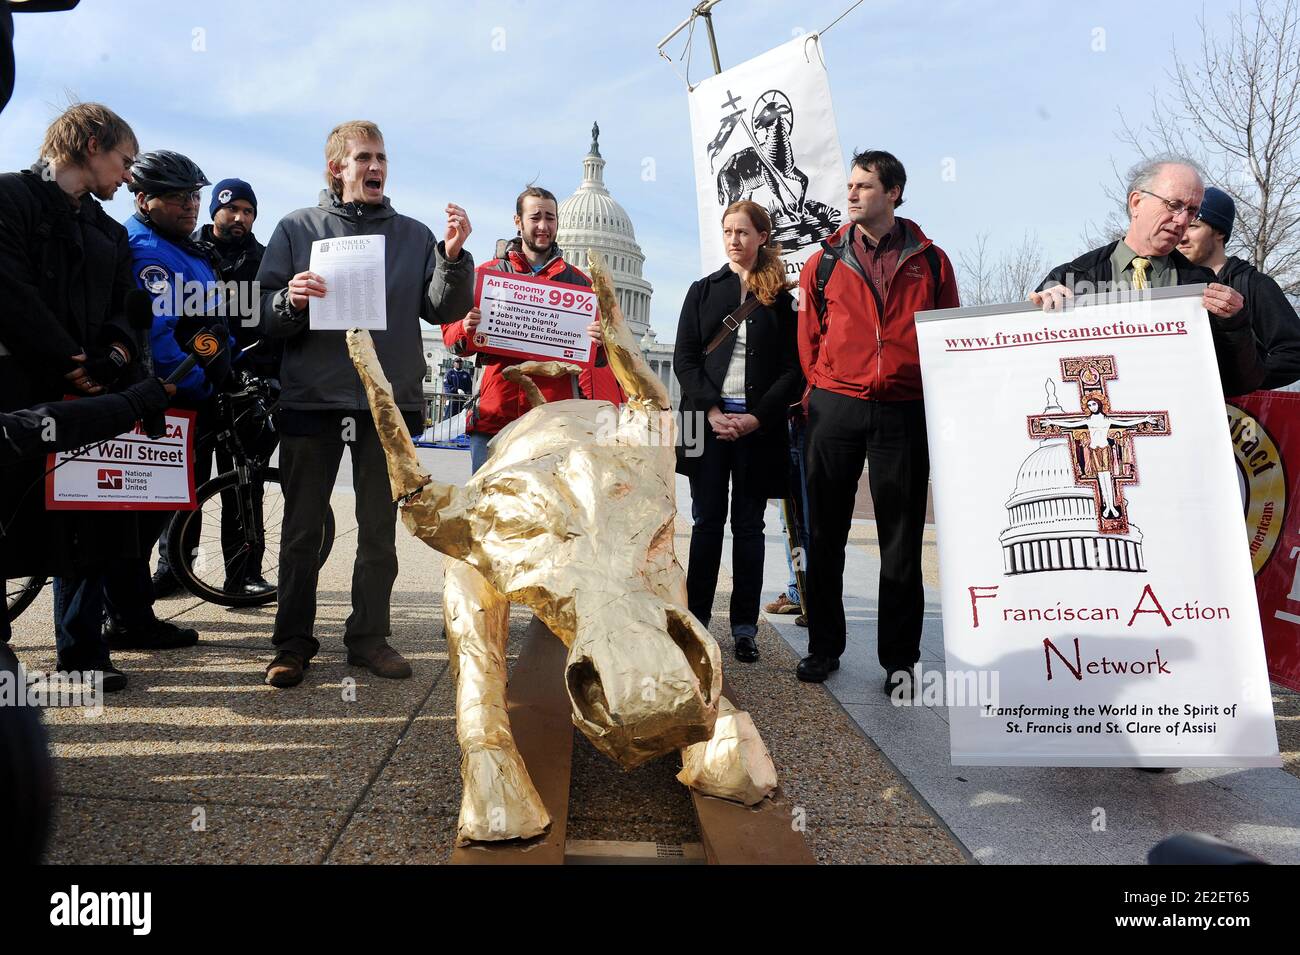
(316, 373)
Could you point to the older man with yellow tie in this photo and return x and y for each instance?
(1164, 197)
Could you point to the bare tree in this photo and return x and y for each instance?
(1235, 108)
(975, 273)
(1021, 269)
(988, 279)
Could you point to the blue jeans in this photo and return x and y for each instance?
(122, 588)
(478, 450)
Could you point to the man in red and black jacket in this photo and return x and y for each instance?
(532, 252)
(859, 296)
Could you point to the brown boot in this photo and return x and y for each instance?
(286, 670)
(381, 660)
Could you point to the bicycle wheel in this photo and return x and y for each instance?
(203, 565)
(20, 593)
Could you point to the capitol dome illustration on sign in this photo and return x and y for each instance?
(1068, 511)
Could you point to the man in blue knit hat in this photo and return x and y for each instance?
(1272, 317)
(233, 210)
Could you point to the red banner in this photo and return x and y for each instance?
(1265, 429)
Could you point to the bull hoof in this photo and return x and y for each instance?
(499, 800)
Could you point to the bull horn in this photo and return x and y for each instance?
(406, 474)
(631, 370)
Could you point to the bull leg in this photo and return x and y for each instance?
(733, 764)
(519, 375)
(498, 800)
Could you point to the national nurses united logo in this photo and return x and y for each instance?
(765, 164)
(1069, 510)
(1261, 476)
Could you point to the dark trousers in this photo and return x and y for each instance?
(122, 588)
(308, 466)
(239, 565)
(736, 464)
(890, 437)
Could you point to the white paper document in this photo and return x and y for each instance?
(355, 290)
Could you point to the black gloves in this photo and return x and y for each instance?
(107, 369)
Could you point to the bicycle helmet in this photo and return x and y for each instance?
(165, 171)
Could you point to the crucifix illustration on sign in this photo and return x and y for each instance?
(1100, 438)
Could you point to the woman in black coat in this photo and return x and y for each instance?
(734, 402)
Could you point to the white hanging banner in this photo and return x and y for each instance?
(765, 130)
(1094, 563)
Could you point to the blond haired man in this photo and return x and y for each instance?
(323, 407)
(65, 277)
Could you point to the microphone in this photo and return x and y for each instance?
(139, 315)
(204, 348)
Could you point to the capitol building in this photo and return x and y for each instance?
(592, 219)
(1052, 521)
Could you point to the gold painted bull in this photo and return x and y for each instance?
(572, 515)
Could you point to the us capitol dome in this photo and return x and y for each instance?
(1053, 521)
(591, 219)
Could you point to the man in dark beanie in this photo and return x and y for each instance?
(239, 254)
(1272, 317)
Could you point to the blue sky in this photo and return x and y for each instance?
(478, 98)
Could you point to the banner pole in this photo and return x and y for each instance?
(705, 10)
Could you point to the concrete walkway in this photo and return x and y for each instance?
(1034, 815)
(198, 761)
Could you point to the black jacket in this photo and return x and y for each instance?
(773, 379)
(64, 277)
(238, 261)
(1240, 366)
(1272, 317)
(69, 425)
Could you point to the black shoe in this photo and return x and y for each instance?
(165, 584)
(815, 668)
(160, 636)
(114, 679)
(251, 587)
(746, 648)
(801, 621)
(905, 675)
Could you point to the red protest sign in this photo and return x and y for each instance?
(1265, 429)
(528, 317)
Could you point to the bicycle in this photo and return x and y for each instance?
(246, 498)
(20, 592)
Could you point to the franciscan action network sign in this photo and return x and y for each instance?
(1091, 541)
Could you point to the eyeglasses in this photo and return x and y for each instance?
(1174, 206)
(127, 161)
(180, 198)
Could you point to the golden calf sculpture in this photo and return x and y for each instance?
(572, 516)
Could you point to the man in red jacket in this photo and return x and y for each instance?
(858, 300)
(532, 252)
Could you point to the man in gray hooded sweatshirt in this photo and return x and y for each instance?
(323, 405)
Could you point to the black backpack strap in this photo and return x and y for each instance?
(932, 257)
(825, 265)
